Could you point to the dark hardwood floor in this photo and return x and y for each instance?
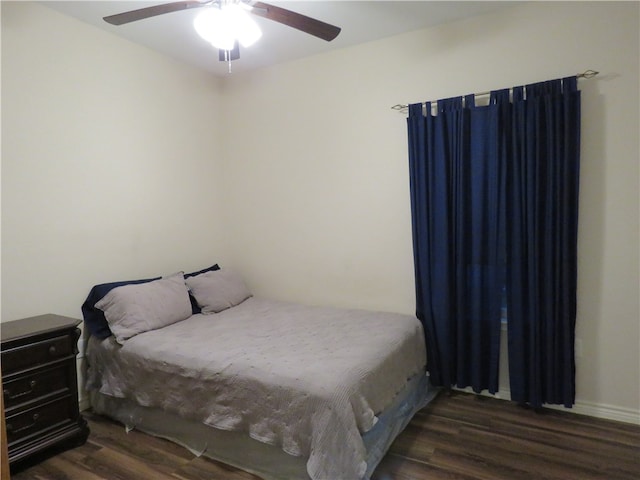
(462, 437)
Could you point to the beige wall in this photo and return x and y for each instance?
(317, 177)
(115, 163)
(108, 162)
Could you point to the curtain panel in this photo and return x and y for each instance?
(494, 199)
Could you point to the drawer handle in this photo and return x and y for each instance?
(26, 427)
(8, 396)
(52, 350)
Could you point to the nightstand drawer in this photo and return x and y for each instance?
(38, 353)
(26, 388)
(39, 418)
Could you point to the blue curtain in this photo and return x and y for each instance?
(494, 209)
(456, 178)
(542, 199)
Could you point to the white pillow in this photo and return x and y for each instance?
(217, 290)
(134, 309)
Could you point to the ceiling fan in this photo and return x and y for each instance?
(226, 23)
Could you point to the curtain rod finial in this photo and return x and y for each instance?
(588, 74)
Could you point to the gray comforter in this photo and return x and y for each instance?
(309, 380)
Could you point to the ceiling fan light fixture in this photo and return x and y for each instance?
(247, 30)
(211, 26)
(221, 27)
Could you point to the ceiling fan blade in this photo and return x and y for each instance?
(147, 12)
(298, 21)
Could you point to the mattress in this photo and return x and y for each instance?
(309, 381)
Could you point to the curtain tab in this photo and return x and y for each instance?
(449, 104)
(518, 94)
(469, 101)
(499, 96)
(570, 84)
(415, 110)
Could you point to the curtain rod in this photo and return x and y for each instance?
(586, 74)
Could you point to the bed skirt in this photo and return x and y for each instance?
(238, 449)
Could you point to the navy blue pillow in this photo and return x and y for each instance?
(194, 305)
(94, 317)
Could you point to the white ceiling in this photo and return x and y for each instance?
(361, 21)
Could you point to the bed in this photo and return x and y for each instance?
(282, 390)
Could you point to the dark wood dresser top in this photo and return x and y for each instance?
(28, 327)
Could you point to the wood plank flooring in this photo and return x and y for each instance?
(457, 437)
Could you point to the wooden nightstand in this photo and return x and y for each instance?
(40, 385)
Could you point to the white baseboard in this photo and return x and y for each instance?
(609, 412)
(84, 402)
(598, 410)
